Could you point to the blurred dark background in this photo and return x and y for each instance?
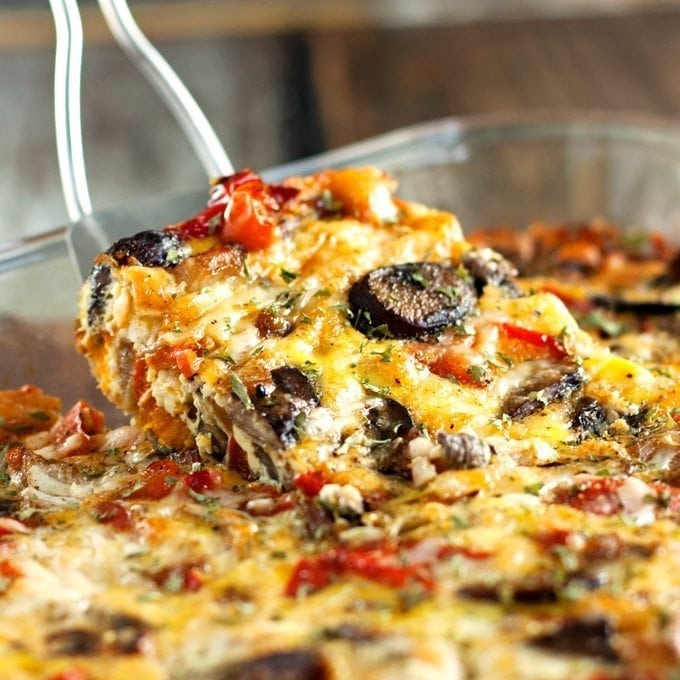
(281, 79)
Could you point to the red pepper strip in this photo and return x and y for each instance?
(204, 224)
(554, 347)
(383, 565)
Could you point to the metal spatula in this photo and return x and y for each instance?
(92, 232)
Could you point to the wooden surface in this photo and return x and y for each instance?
(278, 96)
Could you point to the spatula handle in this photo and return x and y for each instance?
(167, 83)
(68, 61)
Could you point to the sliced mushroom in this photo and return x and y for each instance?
(543, 382)
(461, 451)
(589, 417)
(487, 267)
(149, 249)
(410, 300)
(387, 419)
(285, 402)
(264, 416)
(101, 632)
(388, 425)
(205, 268)
(100, 281)
(297, 664)
(582, 637)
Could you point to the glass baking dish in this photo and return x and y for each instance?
(506, 170)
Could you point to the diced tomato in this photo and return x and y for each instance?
(157, 480)
(207, 479)
(241, 209)
(456, 365)
(599, 496)
(380, 564)
(246, 221)
(14, 457)
(310, 482)
(113, 513)
(549, 343)
(183, 357)
(9, 570)
(180, 578)
(552, 538)
(187, 362)
(72, 673)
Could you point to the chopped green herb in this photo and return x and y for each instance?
(322, 292)
(477, 372)
(459, 522)
(417, 278)
(386, 354)
(288, 276)
(505, 359)
(27, 513)
(449, 291)
(39, 415)
(533, 489)
(610, 328)
(173, 256)
(239, 389)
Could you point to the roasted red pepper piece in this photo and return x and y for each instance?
(550, 343)
(242, 209)
(381, 564)
(207, 479)
(310, 482)
(157, 480)
(113, 513)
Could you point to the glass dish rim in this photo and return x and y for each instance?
(492, 126)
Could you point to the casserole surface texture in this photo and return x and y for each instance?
(360, 444)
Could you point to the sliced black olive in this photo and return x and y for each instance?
(461, 451)
(410, 300)
(487, 267)
(149, 249)
(547, 381)
(583, 637)
(589, 417)
(297, 664)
